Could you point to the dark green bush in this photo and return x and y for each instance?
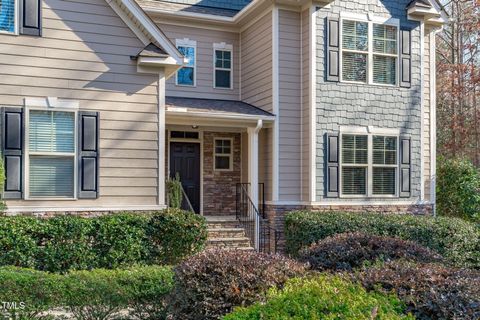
(89, 295)
(64, 243)
(346, 251)
(323, 297)
(210, 284)
(455, 239)
(187, 235)
(458, 189)
(430, 291)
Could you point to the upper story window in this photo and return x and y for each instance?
(51, 154)
(186, 76)
(8, 16)
(370, 50)
(369, 165)
(222, 66)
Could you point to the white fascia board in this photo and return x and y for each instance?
(213, 115)
(149, 27)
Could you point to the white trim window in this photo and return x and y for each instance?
(223, 154)
(369, 50)
(187, 75)
(51, 156)
(222, 65)
(369, 165)
(9, 16)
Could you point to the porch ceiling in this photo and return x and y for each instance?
(189, 110)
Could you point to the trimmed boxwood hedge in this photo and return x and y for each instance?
(74, 243)
(455, 239)
(96, 294)
(323, 297)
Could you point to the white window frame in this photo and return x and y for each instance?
(369, 132)
(17, 21)
(46, 105)
(371, 20)
(215, 154)
(189, 44)
(222, 47)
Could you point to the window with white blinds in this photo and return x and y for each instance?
(369, 52)
(369, 165)
(8, 16)
(354, 164)
(51, 136)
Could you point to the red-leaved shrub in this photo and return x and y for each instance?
(346, 251)
(208, 285)
(430, 291)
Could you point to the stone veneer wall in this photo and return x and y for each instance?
(276, 214)
(219, 186)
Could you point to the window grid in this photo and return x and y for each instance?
(362, 61)
(223, 67)
(223, 154)
(186, 76)
(378, 176)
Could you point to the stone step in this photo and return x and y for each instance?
(228, 243)
(226, 233)
(223, 224)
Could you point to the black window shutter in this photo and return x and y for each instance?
(332, 165)
(405, 167)
(333, 50)
(406, 59)
(88, 155)
(13, 133)
(31, 17)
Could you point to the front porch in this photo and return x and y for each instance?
(213, 146)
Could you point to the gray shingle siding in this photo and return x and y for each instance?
(224, 4)
(367, 105)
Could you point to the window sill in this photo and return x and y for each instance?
(6, 33)
(370, 84)
(185, 85)
(50, 199)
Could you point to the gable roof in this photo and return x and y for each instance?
(145, 29)
(218, 4)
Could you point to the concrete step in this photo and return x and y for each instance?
(218, 232)
(228, 243)
(222, 222)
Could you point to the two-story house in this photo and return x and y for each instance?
(270, 105)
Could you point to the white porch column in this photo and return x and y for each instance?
(253, 173)
(161, 139)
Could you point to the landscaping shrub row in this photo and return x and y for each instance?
(63, 243)
(323, 297)
(453, 238)
(96, 294)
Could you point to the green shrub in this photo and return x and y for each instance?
(323, 297)
(210, 284)
(430, 291)
(458, 189)
(187, 235)
(89, 295)
(64, 243)
(455, 239)
(347, 251)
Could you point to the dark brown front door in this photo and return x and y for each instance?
(185, 159)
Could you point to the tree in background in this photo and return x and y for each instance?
(458, 81)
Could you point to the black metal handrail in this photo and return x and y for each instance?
(247, 214)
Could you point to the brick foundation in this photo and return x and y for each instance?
(276, 214)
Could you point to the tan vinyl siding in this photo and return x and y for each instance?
(426, 116)
(256, 57)
(84, 54)
(205, 39)
(305, 47)
(290, 112)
